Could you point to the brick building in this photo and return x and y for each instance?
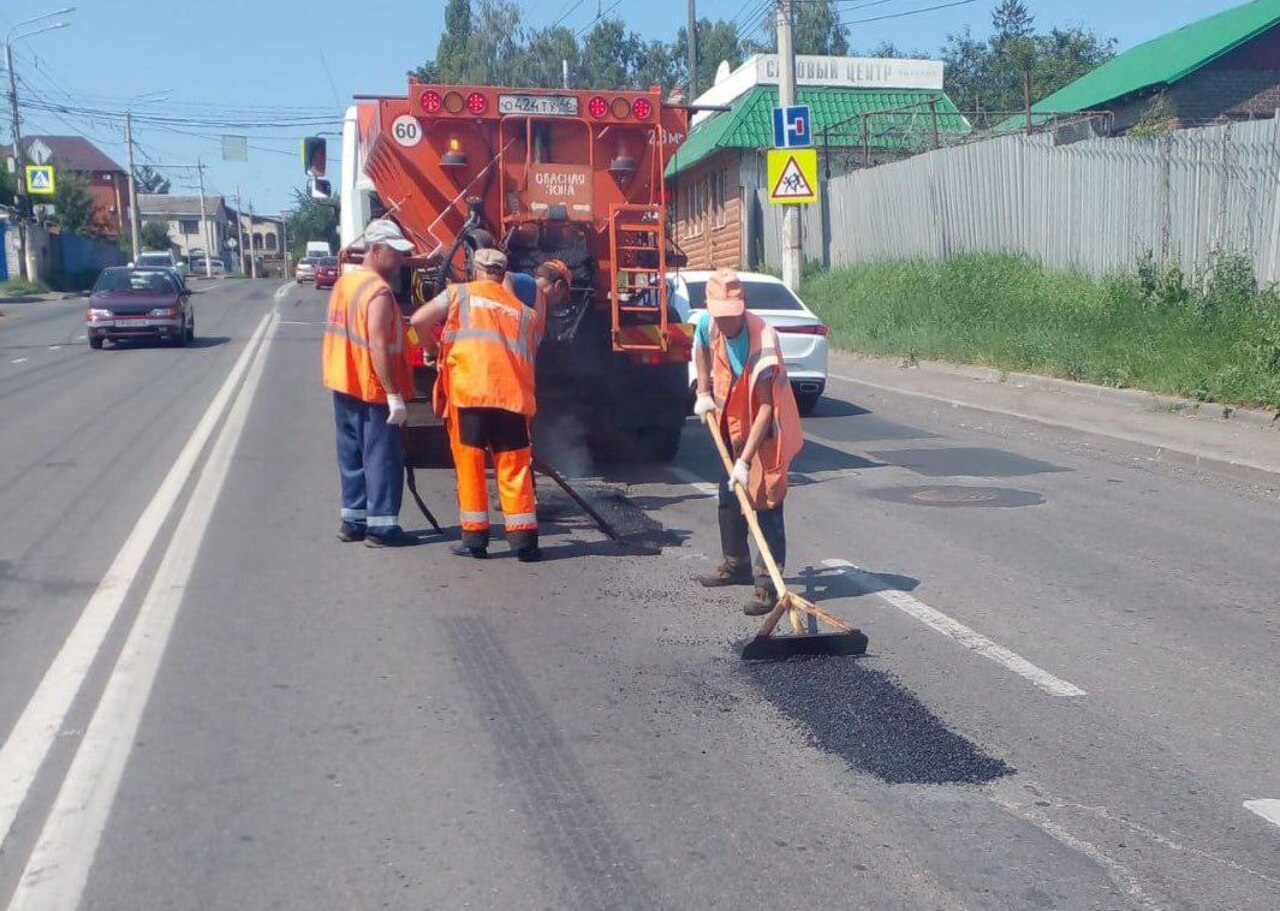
(864, 111)
(1216, 70)
(108, 182)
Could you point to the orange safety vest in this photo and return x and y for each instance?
(489, 345)
(347, 361)
(737, 401)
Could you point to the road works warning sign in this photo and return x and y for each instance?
(40, 180)
(793, 176)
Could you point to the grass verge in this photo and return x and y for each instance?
(1219, 342)
(18, 287)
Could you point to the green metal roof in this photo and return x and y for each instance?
(1164, 60)
(749, 124)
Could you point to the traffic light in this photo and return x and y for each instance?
(313, 155)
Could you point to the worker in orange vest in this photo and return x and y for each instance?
(486, 391)
(743, 381)
(364, 365)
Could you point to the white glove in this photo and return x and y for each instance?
(704, 405)
(399, 413)
(740, 475)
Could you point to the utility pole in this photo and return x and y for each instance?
(20, 174)
(791, 246)
(253, 256)
(284, 241)
(693, 50)
(204, 224)
(134, 230)
(240, 230)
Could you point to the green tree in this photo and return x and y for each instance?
(656, 63)
(148, 180)
(1012, 19)
(7, 188)
(541, 56)
(608, 55)
(73, 204)
(311, 219)
(451, 53)
(717, 41)
(155, 236)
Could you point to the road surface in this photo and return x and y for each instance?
(206, 701)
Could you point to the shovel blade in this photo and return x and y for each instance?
(816, 645)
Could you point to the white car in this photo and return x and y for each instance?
(161, 259)
(305, 270)
(803, 334)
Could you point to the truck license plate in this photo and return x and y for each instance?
(547, 105)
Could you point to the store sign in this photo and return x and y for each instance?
(855, 72)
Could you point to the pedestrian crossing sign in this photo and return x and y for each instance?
(40, 180)
(793, 176)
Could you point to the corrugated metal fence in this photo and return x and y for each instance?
(1096, 205)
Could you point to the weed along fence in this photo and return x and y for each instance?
(1098, 205)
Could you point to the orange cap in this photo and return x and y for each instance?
(561, 269)
(725, 296)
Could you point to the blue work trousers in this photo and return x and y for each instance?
(734, 534)
(370, 464)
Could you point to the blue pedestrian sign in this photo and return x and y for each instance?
(791, 127)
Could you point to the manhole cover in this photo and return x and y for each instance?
(952, 495)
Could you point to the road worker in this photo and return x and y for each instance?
(364, 365)
(555, 282)
(742, 381)
(487, 394)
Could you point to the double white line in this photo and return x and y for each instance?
(59, 866)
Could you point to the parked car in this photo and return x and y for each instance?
(129, 303)
(215, 266)
(802, 333)
(305, 271)
(161, 259)
(326, 271)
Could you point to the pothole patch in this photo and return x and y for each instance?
(953, 496)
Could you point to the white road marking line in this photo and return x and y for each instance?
(282, 290)
(54, 347)
(954, 629)
(81, 338)
(18, 360)
(28, 743)
(703, 487)
(56, 872)
(299, 322)
(1267, 808)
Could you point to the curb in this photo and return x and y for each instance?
(1146, 401)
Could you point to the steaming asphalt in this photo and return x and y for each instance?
(1070, 695)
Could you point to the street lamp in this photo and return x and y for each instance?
(145, 98)
(18, 32)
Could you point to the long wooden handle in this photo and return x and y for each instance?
(748, 511)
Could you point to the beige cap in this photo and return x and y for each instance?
(725, 296)
(489, 258)
(385, 231)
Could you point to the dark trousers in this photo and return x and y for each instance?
(370, 465)
(734, 534)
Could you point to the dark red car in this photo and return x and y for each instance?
(326, 271)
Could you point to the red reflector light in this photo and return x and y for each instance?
(642, 108)
(431, 102)
(817, 329)
(477, 103)
(597, 107)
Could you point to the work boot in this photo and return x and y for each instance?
(763, 600)
(529, 554)
(729, 572)
(467, 550)
(396, 538)
(347, 533)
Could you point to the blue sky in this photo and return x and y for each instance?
(314, 55)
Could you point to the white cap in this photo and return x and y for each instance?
(386, 231)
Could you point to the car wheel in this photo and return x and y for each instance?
(95, 342)
(806, 402)
(191, 331)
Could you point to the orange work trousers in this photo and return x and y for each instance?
(514, 470)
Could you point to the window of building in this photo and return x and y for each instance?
(188, 226)
(271, 241)
(257, 240)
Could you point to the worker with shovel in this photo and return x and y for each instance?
(486, 391)
(743, 383)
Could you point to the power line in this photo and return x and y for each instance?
(599, 17)
(913, 12)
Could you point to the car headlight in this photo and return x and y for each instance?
(164, 311)
(99, 313)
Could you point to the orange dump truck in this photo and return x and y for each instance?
(551, 174)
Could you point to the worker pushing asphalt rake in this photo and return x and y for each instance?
(765, 646)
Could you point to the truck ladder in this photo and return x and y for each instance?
(638, 293)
